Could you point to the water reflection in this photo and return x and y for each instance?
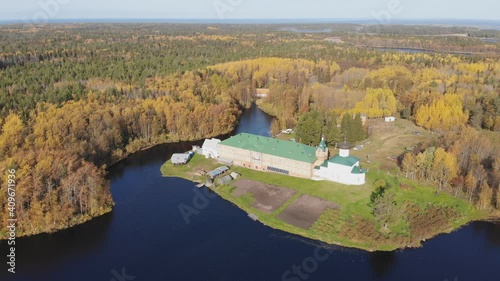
(254, 121)
(44, 252)
(382, 263)
(490, 230)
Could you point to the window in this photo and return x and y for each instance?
(277, 170)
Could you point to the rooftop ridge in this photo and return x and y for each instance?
(280, 148)
(345, 161)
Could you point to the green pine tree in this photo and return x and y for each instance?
(331, 131)
(347, 128)
(309, 128)
(358, 128)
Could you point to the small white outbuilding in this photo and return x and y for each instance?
(210, 148)
(390, 119)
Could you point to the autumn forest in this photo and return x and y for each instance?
(77, 98)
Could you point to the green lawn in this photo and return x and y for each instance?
(389, 139)
(331, 191)
(287, 136)
(336, 228)
(192, 171)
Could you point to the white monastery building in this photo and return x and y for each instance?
(290, 158)
(342, 168)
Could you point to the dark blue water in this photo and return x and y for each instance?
(254, 121)
(147, 238)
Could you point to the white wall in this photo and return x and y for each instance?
(211, 148)
(260, 161)
(341, 174)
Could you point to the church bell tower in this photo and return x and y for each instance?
(322, 150)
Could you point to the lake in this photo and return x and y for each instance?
(490, 40)
(147, 238)
(415, 51)
(306, 30)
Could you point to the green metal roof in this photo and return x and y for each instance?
(346, 161)
(322, 144)
(276, 147)
(358, 170)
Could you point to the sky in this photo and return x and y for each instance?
(380, 10)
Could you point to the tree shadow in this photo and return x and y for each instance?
(382, 263)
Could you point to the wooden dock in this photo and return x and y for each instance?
(253, 217)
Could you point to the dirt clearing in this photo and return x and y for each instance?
(305, 211)
(268, 198)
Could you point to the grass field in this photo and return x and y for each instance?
(389, 139)
(354, 225)
(355, 202)
(194, 171)
(335, 227)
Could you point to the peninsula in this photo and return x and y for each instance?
(300, 189)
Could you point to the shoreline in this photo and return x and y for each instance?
(114, 163)
(491, 217)
(336, 243)
(270, 220)
(80, 220)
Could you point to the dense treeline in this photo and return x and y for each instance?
(59, 63)
(314, 125)
(451, 94)
(77, 98)
(60, 154)
(465, 163)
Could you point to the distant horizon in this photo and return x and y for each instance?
(362, 21)
(452, 12)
